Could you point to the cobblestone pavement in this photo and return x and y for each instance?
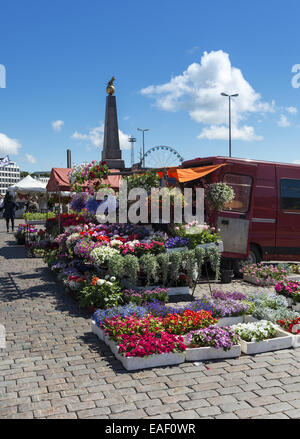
(54, 367)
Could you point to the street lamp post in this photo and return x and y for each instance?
(229, 98)
(132, 140)
(143, 131)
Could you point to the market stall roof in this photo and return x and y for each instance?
(29, 184)
(188, 174)
(59, 179)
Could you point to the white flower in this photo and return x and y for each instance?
(113, 279)
(100, 282)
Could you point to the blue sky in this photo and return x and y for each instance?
(171, 59)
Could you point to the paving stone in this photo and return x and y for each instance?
(81, 414)
(132, 414)
(186, 414)
(194, 404)
(251, 413)
(278, 407)
(294, 414)
(167, 408)
(206, 411)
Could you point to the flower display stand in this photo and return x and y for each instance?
(176, 291)
(209, 353)
(252, 280)
(176, 249)
(296, 307)
(173, 291)
(283, 340)
(135, 363)
(228, 321)
(218, 244)
(249, 319)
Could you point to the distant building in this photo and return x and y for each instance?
(41, 176)
(9, 176)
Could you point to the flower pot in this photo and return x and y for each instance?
(175, 291)
(295, 338)
(226, 276)
(156, 360)
(176, 249)
(252, 280)
(228, 321)
(98, 331)
(281, 341)
(247, 318)
(134, 363)
(218, 244)
(296, 307)
(209, 353)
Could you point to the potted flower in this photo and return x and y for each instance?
(292, 326)
(219, 195)
(263, 274)
(177, 243)
(100, 293)
(261, 336)
(290, 290)
(212, 343)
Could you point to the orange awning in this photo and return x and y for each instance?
(188, 174)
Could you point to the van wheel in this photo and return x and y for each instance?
(254, 255)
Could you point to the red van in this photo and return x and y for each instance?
(263, 222)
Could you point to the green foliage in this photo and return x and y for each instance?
(149, 265)
(147, 180)
(116, 266)
(189, 262)
(131, 268)
(215, 260)
(163, 262)
(199, 257)
(177, 230)
(38, 216)
(104, 296)
(174, 267)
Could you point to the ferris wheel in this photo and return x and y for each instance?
(161, 157)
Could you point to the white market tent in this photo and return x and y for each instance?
(29, 185)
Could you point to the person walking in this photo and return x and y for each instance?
(10, 207)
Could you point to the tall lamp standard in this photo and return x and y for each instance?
(132, 140)
(143, 131)
(229, 97)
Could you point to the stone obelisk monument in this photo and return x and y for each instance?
(111, 153)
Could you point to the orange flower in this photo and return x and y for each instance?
(94, 280)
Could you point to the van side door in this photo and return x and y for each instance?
(288, 220)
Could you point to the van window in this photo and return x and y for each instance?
(241, 184)
(289, 194)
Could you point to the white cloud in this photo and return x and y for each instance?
(292, 110)
(283, 121)
(126, 117)
(198, 91)
(95, 137)
(220, 132)
(57, 124)
(297, 162)
(8, 145)
(30, 158)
